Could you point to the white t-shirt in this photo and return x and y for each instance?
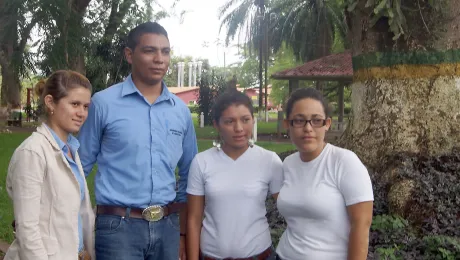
(313, 201)
(235, 192)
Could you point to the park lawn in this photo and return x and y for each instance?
(9, 142)
(270, 127)
(208, 132)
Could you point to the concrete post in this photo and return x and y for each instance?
(202, 120)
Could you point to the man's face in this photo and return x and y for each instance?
(150, 59)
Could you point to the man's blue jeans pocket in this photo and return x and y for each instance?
(109, 224)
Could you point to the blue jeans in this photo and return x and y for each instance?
(124, 238)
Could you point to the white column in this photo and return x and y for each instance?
(190, 74)
(200, 64)
(178, 74)
(182, 65)
(193, 74)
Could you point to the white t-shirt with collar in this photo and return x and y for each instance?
(235, 192)
(313, 201)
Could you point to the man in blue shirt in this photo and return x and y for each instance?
(138, 132)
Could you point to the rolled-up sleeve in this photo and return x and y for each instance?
(24, 184)
(190, 149)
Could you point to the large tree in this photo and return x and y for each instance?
(15, 31)
(405, 97)
(64, 31)
(406, 94)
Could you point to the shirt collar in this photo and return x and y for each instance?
(72, 142)
(129, 88)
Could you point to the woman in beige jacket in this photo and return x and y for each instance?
(52, 209)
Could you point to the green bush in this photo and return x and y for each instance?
(194, 109)
(392, 237)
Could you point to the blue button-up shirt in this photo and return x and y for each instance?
(73, 143)
(137, 146)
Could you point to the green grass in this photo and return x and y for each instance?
(9, 142)
(208, 132)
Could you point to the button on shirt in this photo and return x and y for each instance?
(137, 146)
(73, 143)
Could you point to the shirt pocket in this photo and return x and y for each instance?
(174, 138)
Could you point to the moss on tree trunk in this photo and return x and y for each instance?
(419, 115)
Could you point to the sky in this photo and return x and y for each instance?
(200, 24)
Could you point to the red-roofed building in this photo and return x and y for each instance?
(253, 93)
(335, 67)
(188, 94)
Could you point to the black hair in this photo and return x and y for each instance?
(303, 93)
(141, 29)
(229, 98)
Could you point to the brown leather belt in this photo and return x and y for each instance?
(262, 256)
(136, 212)
(84, 255)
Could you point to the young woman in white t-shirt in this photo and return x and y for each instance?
(228, 186)
(327, 195)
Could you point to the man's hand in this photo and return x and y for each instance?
(182, 250)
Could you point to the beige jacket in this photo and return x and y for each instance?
(46, 198)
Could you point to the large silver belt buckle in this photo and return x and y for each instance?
(153, 213)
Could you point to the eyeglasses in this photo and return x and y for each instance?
(315, 122)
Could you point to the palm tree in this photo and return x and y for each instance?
(248, 15)
(308, 26)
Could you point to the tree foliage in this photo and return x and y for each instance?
(284, 59)
(211, 86)
(84, 35)
(394, 12)
(305, 25)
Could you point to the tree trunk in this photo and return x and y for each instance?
(72, 33)
(405, 99)
(3, 98)
(323, 41)
(13, 88)
(402, 100)
(11, 85)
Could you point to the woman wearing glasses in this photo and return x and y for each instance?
(327, 195)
